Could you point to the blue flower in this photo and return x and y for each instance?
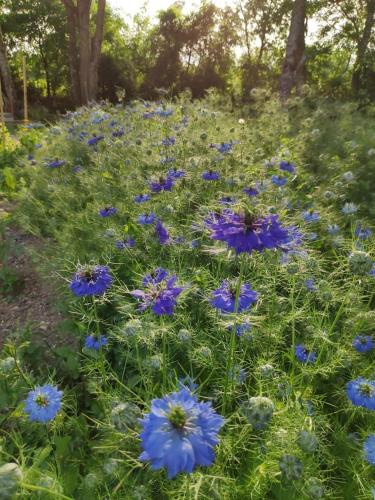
(287, 167)
(93, 141)
(310, 284)
(95, 342)
(224, 297)
(227, 200)
(363, 343)
(310, 216)
(210, 175)
(251, 191)
(164, 184)
(303, 355)
(369, 449)
(241, 328)
(179, 433)
(174, 173)
(349, 209)
(362, 233)
(141, 198)
(278, 180)
(160, 293)
(162, 233)
(43, 403)
(125, 243)
(224, 148)
(333, 229)
(168, 141)
(145, 219)
(107, 211)
(164, 113)
(245, 233)
(91, 280)
(56, 163)
(361, 392)
(118, 133)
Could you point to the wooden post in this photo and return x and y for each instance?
(25, 110)
(2, 116)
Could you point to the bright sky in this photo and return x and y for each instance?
(131, 7)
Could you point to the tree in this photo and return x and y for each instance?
(293, 71)
(362, 45)
(6, 77)
(84, 49)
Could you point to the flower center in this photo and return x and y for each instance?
(367, 390)
(177, 417)
(41, 400)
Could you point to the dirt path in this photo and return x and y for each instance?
(27, 300)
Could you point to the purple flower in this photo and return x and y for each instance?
(141, 198)
(227, 200)
(363, 343)
(303, 355)
(93, 141)
(278, 180)
(168, 141)
(224, 148)
(245, 233)
(210, 175)
(173, 173)
(56, 163)
(118, 133)
(162, 233)
(310, 285)
(224, 297)
(125, 243)
(91, 280)
(95, 342)
(107, 211)
(251, 191)
(145, 219)
(287, 167)
(362, 233)
(160, 293)
(164, 184)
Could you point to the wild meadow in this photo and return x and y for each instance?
(216, 269)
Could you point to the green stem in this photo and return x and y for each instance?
(229, 376)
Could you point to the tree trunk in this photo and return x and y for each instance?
(96, 47)
(6, 77)
(293, 72)
(84, 48)
(72, 24)
(362, 45)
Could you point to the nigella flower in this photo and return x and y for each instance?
(210, 175)
(162, 233)
(287, 167)
(95, 342)
(56, 163)
(187, 383)
(245, 233)
(303, 355)
(43, 403)
(251, 191)
(361, 392)
(362, 233)
(369, 449)
(165, 161)
(168, 141)
(93, 141)
(107, 211)
(141, 198)
(164, 184)
(224, 297)
(349, 208)
(174, 173)
(160, 293)
(118, 133)
(310, 284)
(179, 433)
(241, 328)
(146, 219)
(125, 243)
(363, 343)
(164, 113)
(91, 280)
(225, 147)
(333, 229)
(227, 200)
(310, 216)
(279, 180)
